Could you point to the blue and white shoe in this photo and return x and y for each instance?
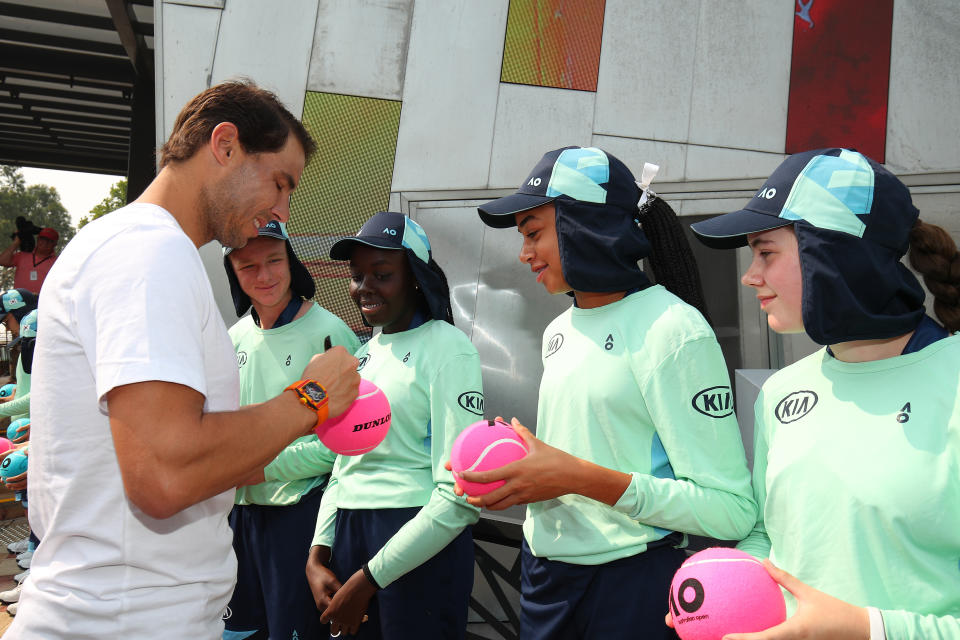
(19, 546)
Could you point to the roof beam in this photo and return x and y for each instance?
(84, 96)
(18, 10)
(134, 43)
(61, 42)
(55, 78)
(114, 164)
(82, 65)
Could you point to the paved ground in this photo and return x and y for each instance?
(13, 527)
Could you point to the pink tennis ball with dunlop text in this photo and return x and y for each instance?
(484, 445)
(721, 590)
(360, 428)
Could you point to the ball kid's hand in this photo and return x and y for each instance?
(818, 616)
(347, 609)
(543, 474)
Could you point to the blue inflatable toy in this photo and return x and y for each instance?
(13, 465)
(16, 427)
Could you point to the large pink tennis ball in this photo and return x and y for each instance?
(484, 445)
(5, 445)
(722, 590)
(361, 427)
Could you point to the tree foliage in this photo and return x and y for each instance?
(38, 203)
(116, 199)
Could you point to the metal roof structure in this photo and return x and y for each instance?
(75, 75)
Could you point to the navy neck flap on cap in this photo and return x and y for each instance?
(596, 197)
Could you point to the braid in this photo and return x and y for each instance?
(672, 258)
(934, 255)
(447, 309)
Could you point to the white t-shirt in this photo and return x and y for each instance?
(127, 301)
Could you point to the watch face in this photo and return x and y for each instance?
(314, 391)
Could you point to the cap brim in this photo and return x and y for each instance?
(342, 248)
(499, 213)
(730, 230)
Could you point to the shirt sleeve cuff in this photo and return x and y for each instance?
(877, 631)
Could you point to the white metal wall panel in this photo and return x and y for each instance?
(741, 78)
(670, 156)
(450, 94)
(923, 117)
(360, 48)
(268, 42)
(534, 120)
(188, 40)
(646, 69)
(719, 163)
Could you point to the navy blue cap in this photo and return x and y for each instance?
(579, 174)
(852, 220)
(395, 231)
(830, 189)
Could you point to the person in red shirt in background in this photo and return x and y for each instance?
(31, 266)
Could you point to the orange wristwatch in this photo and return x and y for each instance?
(313, 395)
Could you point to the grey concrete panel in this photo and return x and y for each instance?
(360, 48)
(922, 117)
(646, 69)
(534, 120)
(268, 42)
(633, 152)
(188, 40)
(741, 79)
(714, 163)
(450, 95)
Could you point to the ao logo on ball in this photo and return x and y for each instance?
(719, 591)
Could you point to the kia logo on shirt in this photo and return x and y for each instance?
(795, 406)
(472, 401)
(714, 402)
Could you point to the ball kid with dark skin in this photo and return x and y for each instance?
(383, 288)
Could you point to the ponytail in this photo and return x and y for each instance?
(933, 254)
(672, 258)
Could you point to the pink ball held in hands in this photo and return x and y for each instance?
(485, 445)
(722, 590)
(360, 428)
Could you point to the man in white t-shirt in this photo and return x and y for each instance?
(137, 439)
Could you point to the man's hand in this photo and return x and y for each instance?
(336, 371)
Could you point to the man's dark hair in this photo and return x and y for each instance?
(262, 122)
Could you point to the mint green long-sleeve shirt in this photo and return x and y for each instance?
(857, 474)
(431, 376)
(640, 386)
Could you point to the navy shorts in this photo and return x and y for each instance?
(428, 603)
(625, 598)
(272, 597)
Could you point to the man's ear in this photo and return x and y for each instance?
(224, 142)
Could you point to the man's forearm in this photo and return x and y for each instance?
(176, 456)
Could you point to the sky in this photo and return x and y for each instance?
(79, 192)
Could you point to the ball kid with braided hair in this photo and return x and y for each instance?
(637, 444)
(857, 445)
